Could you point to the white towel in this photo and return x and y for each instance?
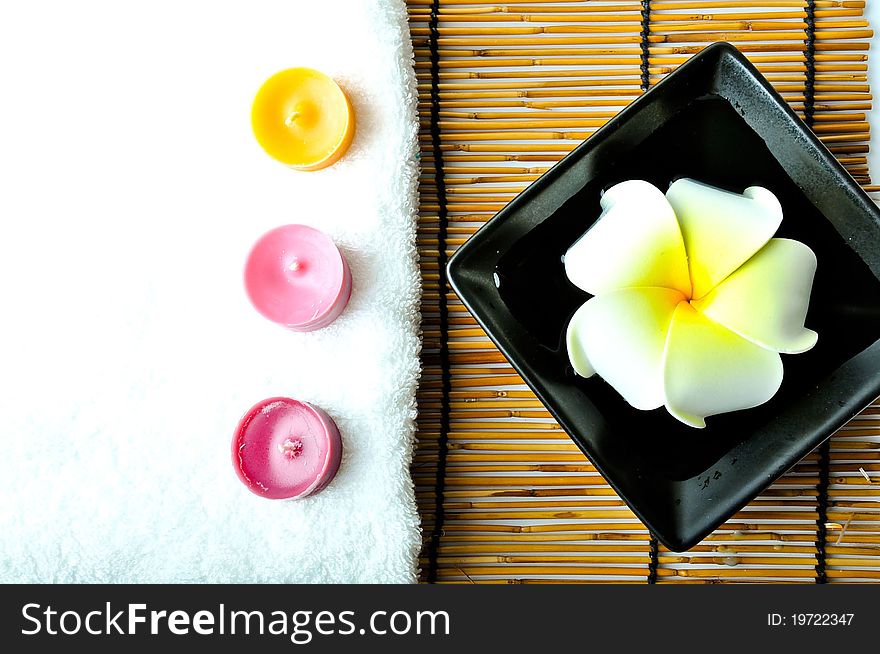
(132, 190)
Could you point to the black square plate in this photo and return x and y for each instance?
(718, 120)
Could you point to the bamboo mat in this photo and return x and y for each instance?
(506, 90)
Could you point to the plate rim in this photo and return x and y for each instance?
(458, 275)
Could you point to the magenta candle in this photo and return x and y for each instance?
(296, 276)
(285, 449)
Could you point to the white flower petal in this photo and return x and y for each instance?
(577, 351)
(708, 369)
(622, 335)
(721, 230)
(766, 299)
(635, 242)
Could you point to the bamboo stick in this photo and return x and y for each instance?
(640, 558)
(453, 158)
(513, 425)
(555, 105)
(613, 62)
(473, 138)
(659, 5)
(735, 572)
(505, 435)
(845, 49)
(619, 12)
(546, 457)
(662, 4)
(541, 85)
(569, 134)
(587, 491)
(472, 571)
(592, 114)
(533, 580)
(543, 447)
(551, 73)
(507, 129)
(624, 570)
(537, 48)
(621, 512)
(635, 534)
(695, 36)
(550, 532)
(581, 22)
(532, 6)
(598, 500)
(477, 549)
(587, 480)
(547, 468)
(469, 549)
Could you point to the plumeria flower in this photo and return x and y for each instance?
(693, 297)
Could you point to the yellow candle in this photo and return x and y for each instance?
(303, 119)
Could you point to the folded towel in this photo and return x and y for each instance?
(132, 192)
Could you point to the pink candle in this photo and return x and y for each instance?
(296, 276)
(285, 449)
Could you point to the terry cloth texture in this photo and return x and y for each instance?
(133, 190)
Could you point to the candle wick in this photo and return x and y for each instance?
(294, 265)
(291, 448)
(291, 119)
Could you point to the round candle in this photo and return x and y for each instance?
(285, 449)
(296, 276)
(303, 119)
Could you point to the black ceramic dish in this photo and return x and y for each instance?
(718, 120)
